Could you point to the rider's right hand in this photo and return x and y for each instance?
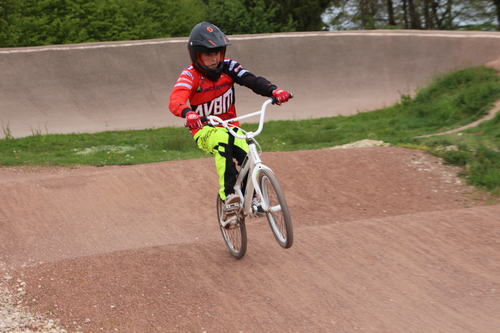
(193, 120)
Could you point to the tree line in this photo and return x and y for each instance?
(414, 14)
(47, 22)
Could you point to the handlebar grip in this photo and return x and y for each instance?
(274, 100)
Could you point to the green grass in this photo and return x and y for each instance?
(105, 148)
(476, 150)
(450, 101)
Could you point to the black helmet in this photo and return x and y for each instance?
(205, 38)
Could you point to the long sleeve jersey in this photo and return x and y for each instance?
(207, 97)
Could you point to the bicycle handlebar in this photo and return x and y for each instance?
(214, 120)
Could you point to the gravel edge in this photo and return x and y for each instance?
(14, 317)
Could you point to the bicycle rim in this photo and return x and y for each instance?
(235, 236)
(279, 218)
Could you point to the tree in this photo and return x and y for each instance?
(45, 22)
(259, 16)
(305, 13)
(414, 14)
(244, 16)
(497, 5)
(390, 12)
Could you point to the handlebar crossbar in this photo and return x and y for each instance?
(215, 121)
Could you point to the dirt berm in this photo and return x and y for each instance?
(126, 85)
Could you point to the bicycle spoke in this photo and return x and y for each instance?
(278, 215)
(235, 236)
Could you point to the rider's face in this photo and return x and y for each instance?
(210, 60)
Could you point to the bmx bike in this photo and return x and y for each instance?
(257, 186)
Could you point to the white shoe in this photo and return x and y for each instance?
(231, 208)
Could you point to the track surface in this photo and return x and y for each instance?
(386, 239)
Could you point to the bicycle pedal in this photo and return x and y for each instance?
(231, 211)
(258, 211)
(232, 207)
(230, 222)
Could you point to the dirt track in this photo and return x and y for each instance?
(386, 239)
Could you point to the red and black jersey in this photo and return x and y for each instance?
(214, 98)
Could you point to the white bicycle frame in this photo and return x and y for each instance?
(253, 164)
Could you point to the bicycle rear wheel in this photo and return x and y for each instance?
(235, 236)
(279, 217)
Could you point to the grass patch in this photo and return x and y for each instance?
(105, 148)
(450, 101)
(476, 150)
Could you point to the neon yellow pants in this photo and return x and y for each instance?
(225, 148)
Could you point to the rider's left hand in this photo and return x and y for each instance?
(281, 96)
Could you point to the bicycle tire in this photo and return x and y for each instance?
(235, 236)
(280, 220)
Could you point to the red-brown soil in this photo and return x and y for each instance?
(386, 240)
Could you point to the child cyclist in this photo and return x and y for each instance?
(208, 85)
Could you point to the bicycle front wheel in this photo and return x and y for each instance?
(235, 236)
(278, 216)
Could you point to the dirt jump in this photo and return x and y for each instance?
(386, 239)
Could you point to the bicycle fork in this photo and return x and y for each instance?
(253, 166)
